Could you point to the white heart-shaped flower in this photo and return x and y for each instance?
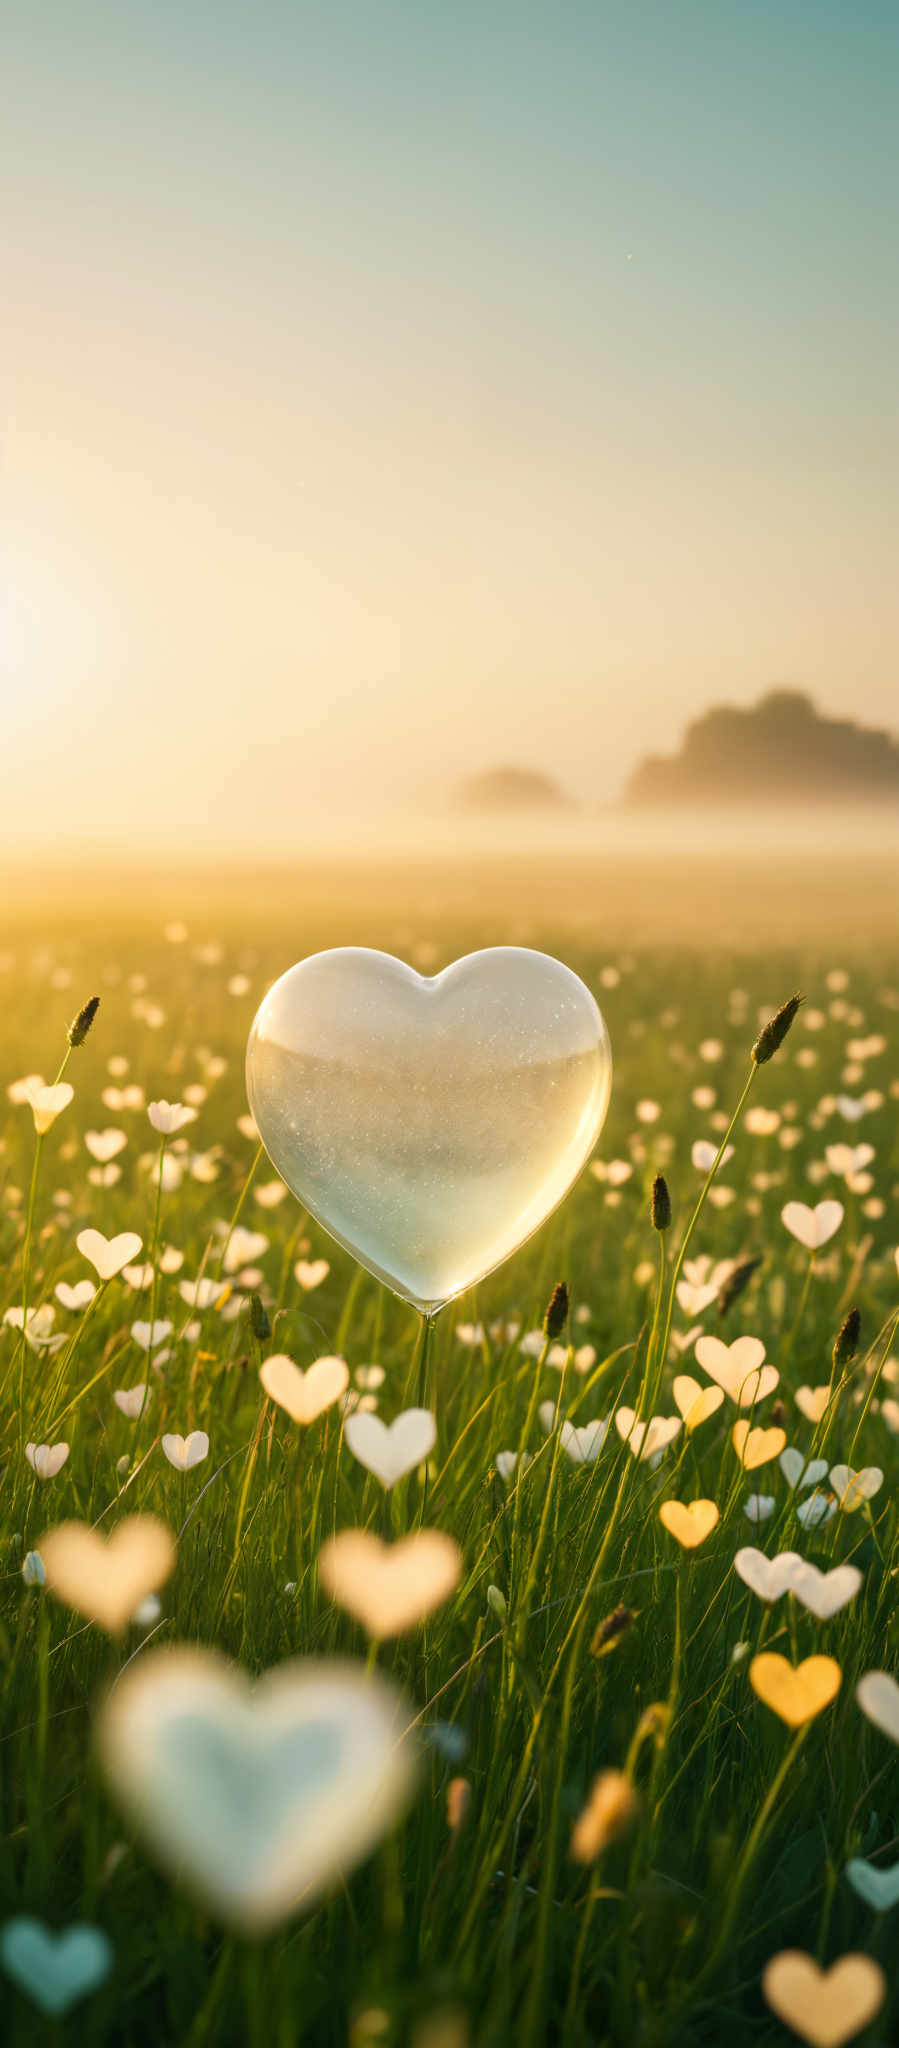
(184, 1452)
(109, 1254)
(304, 1395)
(584, 1443)
(738, 1368)
(813, 1227)
(824, 1593)
(391, 1450)
(46, 1459)
(75, 1298)
(169, 1117)
(768, 1577)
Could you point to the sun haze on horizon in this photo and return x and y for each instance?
(392, 392)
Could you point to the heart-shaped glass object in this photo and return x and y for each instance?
(429, 1124)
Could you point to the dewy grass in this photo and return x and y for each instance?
(471, 1914)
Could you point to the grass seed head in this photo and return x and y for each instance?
(80, 1025)
(731, 1288)
(609, 1633)
(772, 1037)
(557, 1311)
(660, 1205)
(258, 1319)
(846, 1344)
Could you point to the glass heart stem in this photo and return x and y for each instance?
(423, 1394)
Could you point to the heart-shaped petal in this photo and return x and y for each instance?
(824, 2007)
(108, 1255)
(429, 1125)
(854, 1488)
(824, 1593)
(691, 1523)
(812, 1401)
(391, 1450)
(796, 1692)
(56, 1970)
(307, 1394)
(878, 1888)
(389, 1587)
(769, 1577)
(813, 1227)
(694, 1402)
(756, 1447)
(878, 1696)
(257, 1797)
(46, 1459)
(738, 1368)
(106, 1577)
(583, 1443)
(184, 1452)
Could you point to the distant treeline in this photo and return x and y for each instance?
(781, 749)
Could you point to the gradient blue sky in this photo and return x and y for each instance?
(387, 387)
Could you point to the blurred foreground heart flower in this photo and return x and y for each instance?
(389, 1587)
(107, 1577)
(258, 1797)
(56, 1970)
(824, 2007)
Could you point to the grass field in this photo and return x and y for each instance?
(471, 1921)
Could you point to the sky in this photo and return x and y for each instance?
(388, 391)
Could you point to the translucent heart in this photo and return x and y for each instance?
(429, 1124)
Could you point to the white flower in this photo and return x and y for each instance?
(22, 1091)
(704, 1154)
(33, 1571)
(186, 1452)
(201, 1294)
(46, 1459)
(813, 1227)
(78, 1297)
(759, 1506)
(148, 1335)
(131, 1401)
(48, 1103)
(103, 1145)
(309, 1273)
(109, 1255)
(816, 1509)
(168, 1117)
(244, 1248)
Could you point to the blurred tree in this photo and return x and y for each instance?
(779, 749)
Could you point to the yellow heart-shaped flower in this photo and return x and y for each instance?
(824, 2007)
(756, 1446)
(797, 1692)
(689, 1522)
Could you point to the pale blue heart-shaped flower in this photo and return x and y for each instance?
(56, 1970)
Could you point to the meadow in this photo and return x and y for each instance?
(620, 1819)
